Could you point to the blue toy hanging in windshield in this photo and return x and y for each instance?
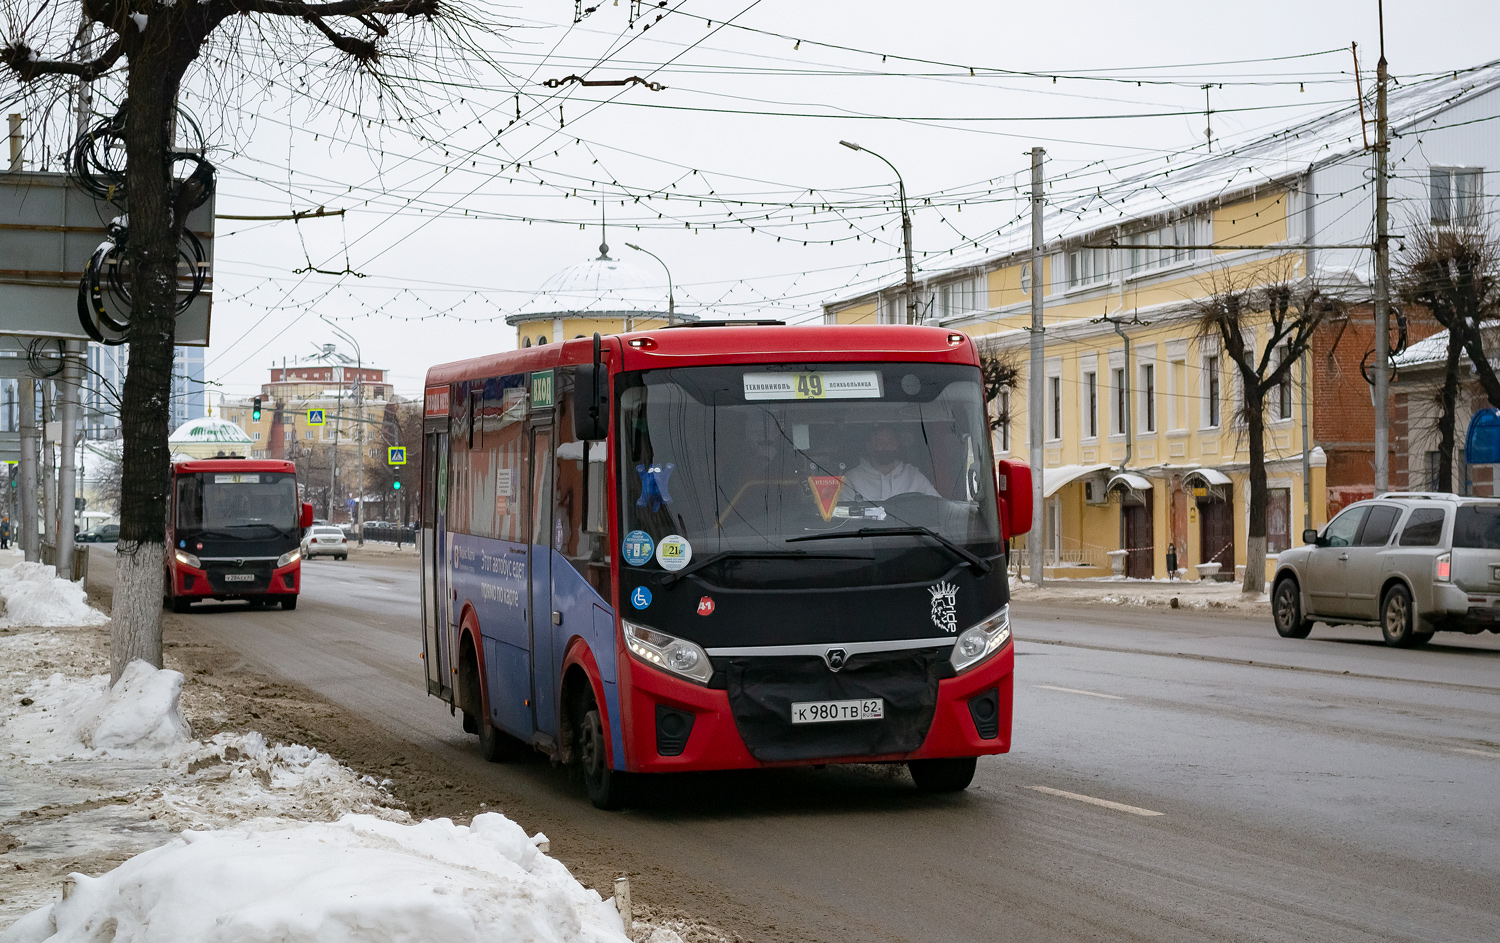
(654, 485)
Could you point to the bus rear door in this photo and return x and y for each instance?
(542, 617)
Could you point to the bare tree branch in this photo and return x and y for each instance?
(22, 59)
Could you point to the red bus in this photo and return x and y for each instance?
(721, 547)
(234, 531)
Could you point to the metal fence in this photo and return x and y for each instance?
(394, 534)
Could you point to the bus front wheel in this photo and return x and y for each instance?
(606, 787)
(951, 775)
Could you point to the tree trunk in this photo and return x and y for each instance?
(1255, 532)
(1447, 420)
(145, 408)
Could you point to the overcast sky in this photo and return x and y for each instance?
(445, 233)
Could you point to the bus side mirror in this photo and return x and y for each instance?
(305, 519)
(591, 398)
(1013, 484)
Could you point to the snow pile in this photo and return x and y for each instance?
(139, 715)
(360, 878)
(32, 594)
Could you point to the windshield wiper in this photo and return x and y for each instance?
(914, 530)
(713, 558)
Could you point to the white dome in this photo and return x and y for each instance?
(601, 285)
(208, 430)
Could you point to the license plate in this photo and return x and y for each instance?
(824, 712)
(239, 577)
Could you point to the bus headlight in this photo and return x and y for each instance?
(288, 558)
(679, 656)
(980, 641)
(187, 559)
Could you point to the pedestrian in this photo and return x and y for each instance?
(5, 533)
(1171, 561)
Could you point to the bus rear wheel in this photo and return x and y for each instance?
(950, 775)
(606, 787)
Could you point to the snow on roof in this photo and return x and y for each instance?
(1168, 188)
(598, 286)
(208, 429)
(1432, 349)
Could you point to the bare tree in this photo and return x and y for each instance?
(1455, 274)
(1288, 313)
(149, 47)
(1001, 371)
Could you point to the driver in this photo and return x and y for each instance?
(881, 473)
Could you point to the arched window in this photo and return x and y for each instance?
(541, 339)
(525, 342)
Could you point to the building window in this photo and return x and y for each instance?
(1278, 520)
(1211, 389)
(1054, 385)
(1161, 248)
(1148, 397)
(1091, 400)
(1455, 194)
(257, 437)
(1087, 267)
(1461, 484)
(1281, 397)
(1122, 400)
(961, 297)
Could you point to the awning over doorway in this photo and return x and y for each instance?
(1130, 481)
(1053, 479)
(1209, 476)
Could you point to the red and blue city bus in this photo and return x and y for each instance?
(717, 547)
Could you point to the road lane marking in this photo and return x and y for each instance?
(1105, 803)
(1053, 687)
(1489, 753)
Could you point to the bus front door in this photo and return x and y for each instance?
(437, 630)
(544, 712)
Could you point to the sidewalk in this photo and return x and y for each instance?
(1152, 594)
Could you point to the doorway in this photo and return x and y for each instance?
(1139, 535)
(1216, 532)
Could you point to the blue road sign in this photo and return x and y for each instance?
(315, 417)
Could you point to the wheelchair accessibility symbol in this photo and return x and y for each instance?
(640, 597)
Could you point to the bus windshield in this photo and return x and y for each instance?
(749, 458)
(237, 501)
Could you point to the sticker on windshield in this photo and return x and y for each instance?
(944, 606)
(864, 384)
(237, 479)
(640, 597)
(674, 552)
(825, 489)
(637, 548)
(654, 485)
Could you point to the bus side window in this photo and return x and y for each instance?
(579, 494)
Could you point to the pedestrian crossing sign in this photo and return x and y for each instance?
(395, 455)
(315, 417)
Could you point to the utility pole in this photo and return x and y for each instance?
(67, 415)
(1037, 539)
(359, 410)
(333, 464)
(1382, 275)
(911, 285)
(27, 469)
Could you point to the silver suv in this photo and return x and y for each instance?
(1411, 563)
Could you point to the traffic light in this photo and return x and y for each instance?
(255, 410)
(396, 480)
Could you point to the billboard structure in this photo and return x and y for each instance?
(49, 231)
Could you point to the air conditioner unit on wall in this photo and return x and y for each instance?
(1093, 492)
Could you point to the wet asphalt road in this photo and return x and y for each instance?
(1327, 789)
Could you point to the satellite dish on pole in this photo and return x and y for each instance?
(1482, 444)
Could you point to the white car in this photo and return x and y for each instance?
(325, 540)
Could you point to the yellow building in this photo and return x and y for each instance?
(604, 295)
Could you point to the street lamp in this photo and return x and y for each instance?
(671, 301)
(359, 404)
(911, 288)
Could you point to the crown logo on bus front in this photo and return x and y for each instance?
(944, 606)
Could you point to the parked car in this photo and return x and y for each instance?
(325, 540)
(99, 534)
(1412, 563)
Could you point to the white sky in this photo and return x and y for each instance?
(463, 273)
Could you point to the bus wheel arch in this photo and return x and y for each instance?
(580, 688)
(469, 694)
